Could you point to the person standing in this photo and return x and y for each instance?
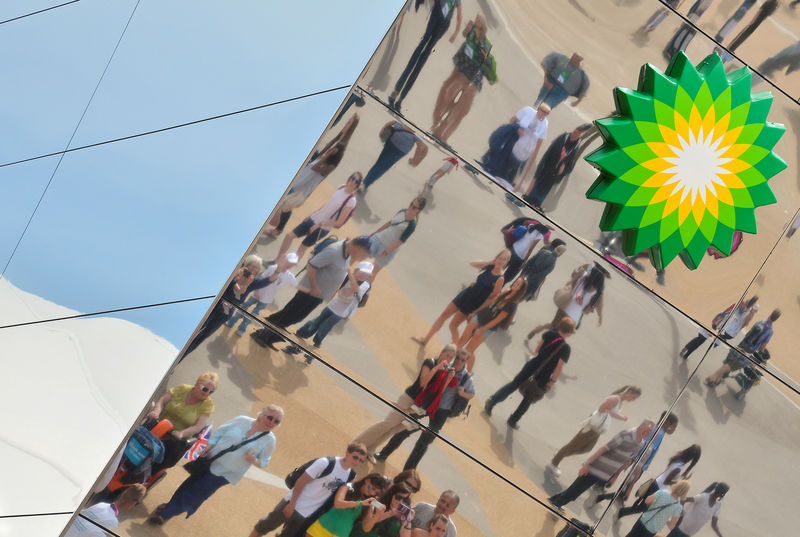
(398, 140)
(557, 163)
(697, 511)
(563, 77)
(387, 239)
(597, 424)
(516, 143)
(376, 434)
(523, 239)
(605, 462)
(731, 321)
(438, 399)
(438, 23)
(310, 492)
(233, 448)
(324, 275)
(543, 370)
(664, 508)
(536, 269)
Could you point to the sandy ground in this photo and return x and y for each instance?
(750, 444)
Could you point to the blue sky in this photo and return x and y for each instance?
(166, 216)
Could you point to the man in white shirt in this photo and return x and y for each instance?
(318, 483)
(697, 511)
(516, 142)
(88, 522)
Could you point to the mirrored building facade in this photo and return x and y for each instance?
(433, 298)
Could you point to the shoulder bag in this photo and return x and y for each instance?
(202, 465)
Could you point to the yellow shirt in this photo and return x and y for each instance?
(182, 415)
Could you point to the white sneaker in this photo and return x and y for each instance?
(555, 470)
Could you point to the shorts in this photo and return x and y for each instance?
(303, 229)
(376, 247)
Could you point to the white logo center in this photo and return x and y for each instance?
(697, 165)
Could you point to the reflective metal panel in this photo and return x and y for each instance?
(34, 525)
(92, 375)
(526, 37)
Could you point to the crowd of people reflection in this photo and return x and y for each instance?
(335, 276)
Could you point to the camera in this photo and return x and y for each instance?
(404, 510)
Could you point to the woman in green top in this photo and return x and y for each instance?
(189, 409)
(391, 518)
(347, 506)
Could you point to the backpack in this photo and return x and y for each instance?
(752, 336)
(294, 475)
(517, 228)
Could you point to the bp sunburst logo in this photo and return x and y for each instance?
(686, 160)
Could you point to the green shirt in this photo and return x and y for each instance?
(386, 528)
(182, 415)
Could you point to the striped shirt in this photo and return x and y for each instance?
(619, 449)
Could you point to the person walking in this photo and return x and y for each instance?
(331, 215)
(594, 426)
(605, 462)
(679, 466)
(398, 140)
(563, 77)
(348, 504)
(101, 515)
(498, 314)
(472, 63)
(324, 275)
(485, 288)
(517, 143)
(582, 294)
(438, 23)
(755, 340)
(374, 435)
(542, 263)
(664, 508)
(522, 235)
(557, 163)
(541, 372)
(729, 323)
(233, 448)
(698, 510)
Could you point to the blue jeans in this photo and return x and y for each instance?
(437, 26)
(246, 320)
(192, 493)
(388, 158)
(552, 96)
(320, 326)
(677, 533)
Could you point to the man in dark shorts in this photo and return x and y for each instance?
(551, 355)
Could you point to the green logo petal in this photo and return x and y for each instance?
(685, 161)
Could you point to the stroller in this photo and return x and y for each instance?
(750, 375)
(142, 450)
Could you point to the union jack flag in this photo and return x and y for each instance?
(199, 445)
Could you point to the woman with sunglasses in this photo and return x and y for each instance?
(189, 409)
(385, 241)
(391, 517)
(234, 447)
(410, 478)
(347, 506)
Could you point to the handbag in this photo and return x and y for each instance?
(530, 389)
(386, 133)
(598, 421)
(202, 465)
(562, 296)
(644, 487)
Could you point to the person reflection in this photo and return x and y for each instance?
(482, 291)
(233, 448)
(698, 510)
(664, 508)
(387, 239)
(390, 517)
(582, 294)
(233, 294)
(563, 77)
(348, 504)
(729, 323)
(755, 341)
(323, 162)
(437, 527)
(597, 424)
(605, 462)
(398, 140)
(446, 505)
(105, 515)
(473, 62)
(324, 275)
(539, 374)
(540, 265)
(438, 23)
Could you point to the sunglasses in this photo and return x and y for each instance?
(273, 419)
(460, 359)
(411, 487)
(206, 389)
(356, 180)
(357, 457)
(400, 496)
(415, 206)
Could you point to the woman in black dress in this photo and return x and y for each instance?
(484, 289)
